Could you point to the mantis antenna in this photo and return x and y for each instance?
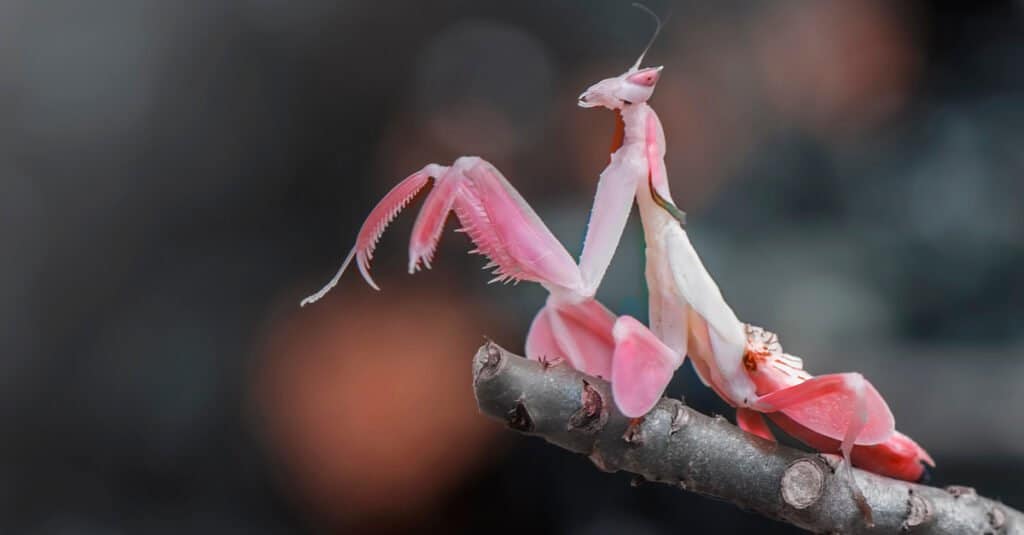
(657, 30)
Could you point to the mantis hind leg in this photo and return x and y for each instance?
(753, 423)
(843, 407)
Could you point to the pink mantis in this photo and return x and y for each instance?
(743, 364)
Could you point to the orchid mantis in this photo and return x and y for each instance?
(743, 364)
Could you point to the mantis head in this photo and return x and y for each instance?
(631, 87)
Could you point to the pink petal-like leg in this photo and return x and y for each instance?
(843, 407)
(898, 457)
(541, 342)
(376, 223)
(501, 224)
(580, 333)
(642, 367)
(753, 423)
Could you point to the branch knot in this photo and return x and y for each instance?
(802, 483)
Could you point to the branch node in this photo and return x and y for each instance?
(591, 416)
(960, 491)
(548, 361)
(802, 483)
(919, 511)
(996, 518)
(680, 417)
(519, 419)
(489, 360)
(634, 435)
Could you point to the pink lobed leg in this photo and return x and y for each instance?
(899, 456)
(844, 407)
(753, 423)
(579, 333)
(642, 366)
(833, 405)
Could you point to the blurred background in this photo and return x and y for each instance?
(176, 175)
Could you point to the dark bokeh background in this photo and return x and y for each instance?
(175, 175)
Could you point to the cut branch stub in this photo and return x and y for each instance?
(802, 483)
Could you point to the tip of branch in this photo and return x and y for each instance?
(920, 511)
(488, 361)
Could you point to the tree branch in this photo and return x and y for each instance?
(678, 446)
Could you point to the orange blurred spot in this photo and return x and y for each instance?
(834, 66)
(368, 402)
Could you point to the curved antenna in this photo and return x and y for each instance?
(657, 30)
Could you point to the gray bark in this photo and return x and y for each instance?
(678, 446)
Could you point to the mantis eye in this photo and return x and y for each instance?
(646, 77)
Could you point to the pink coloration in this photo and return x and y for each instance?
(533, 253)
(374, 227)
(381, 217)
(498, 221)
(541, 343)
(645, 77)
(837, 413)
(476, 224)
(744, 365)
(638, 377)
(504, 228)
(656, 158)
(753, 423)
(898, 457)
(642, 367)
(579, 333)
(747, 369)
(426, 232)
(828, 405)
